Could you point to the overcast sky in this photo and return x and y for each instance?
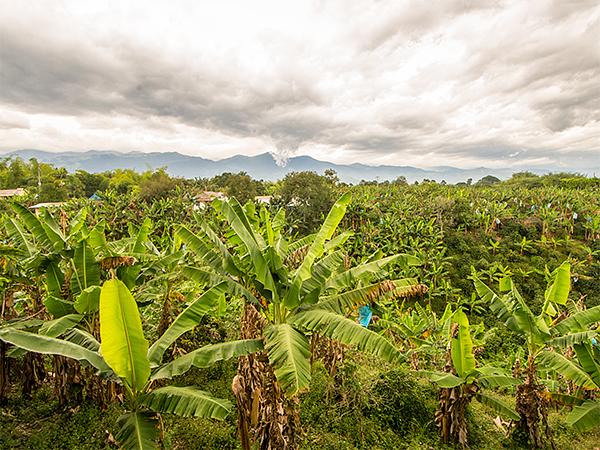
(424, 83)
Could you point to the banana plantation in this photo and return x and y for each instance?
(413, 316)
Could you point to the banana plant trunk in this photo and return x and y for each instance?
(68, 382)
(329, 351)
(265, 415)
(451, 416)
(3, 372)
(532, 407)
(33, 372)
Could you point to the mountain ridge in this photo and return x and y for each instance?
(262, 166)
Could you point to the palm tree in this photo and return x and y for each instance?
(293, 291)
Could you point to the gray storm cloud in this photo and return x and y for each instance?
(465, 83)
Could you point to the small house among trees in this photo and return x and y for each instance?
(207, 197)
(12, 192)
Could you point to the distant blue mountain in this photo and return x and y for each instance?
(262, 167)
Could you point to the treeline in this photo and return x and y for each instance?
(47, 183)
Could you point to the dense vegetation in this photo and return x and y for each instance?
(139, 319)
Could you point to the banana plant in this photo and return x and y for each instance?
(540, 332)
(586, 411)
(419, 330)
(462, 380)
(63, 263)
(123, 353)
(293, 291)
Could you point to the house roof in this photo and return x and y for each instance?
(263, 198)
(11, 192)
(209, 196)
(47, 205)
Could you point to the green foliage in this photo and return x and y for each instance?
(53, 263)
(307, 198)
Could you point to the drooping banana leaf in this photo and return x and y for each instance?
(206, 356)
(442, 379)
(187, 401)
(565, 367)
(51, 346)
(88, 300)
(138, 430)
(56, 327)
(337, 327)
(585, 416)
(289, 352)
(187, 320)
(86, 271)
(497, 405)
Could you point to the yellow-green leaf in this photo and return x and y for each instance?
(123, 345)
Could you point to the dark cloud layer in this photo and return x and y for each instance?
(465, 83)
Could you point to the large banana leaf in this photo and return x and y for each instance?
(585, 416)
(86, 271)
(533, 326)
(569, 340)
(512, 309)
(316, 249)
(442, 379)
(589, 358)
(341, 302)
(58, 307)
(88, 300)
(138, 431)
(186, 321)
(56, 327)
(557, 362)
(336, 327)
(347, 278)
(18, 236)
(54, 279)
(486, 294)
(52, 230)
(462, 346)
(139, 251)
(322, 270)
(579, 321)
(228, 260)
(207, 356)
(497, 381)
(299, 244)
(123, 345)
(337, 241)
(97, 239)
(289, 352)
(202, 249)
(77, 223)
(83, 338)
(33, 225)
(253, 242)
(51, 346)
(187, 401)
(560, 284)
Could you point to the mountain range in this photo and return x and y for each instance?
(262, 167)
